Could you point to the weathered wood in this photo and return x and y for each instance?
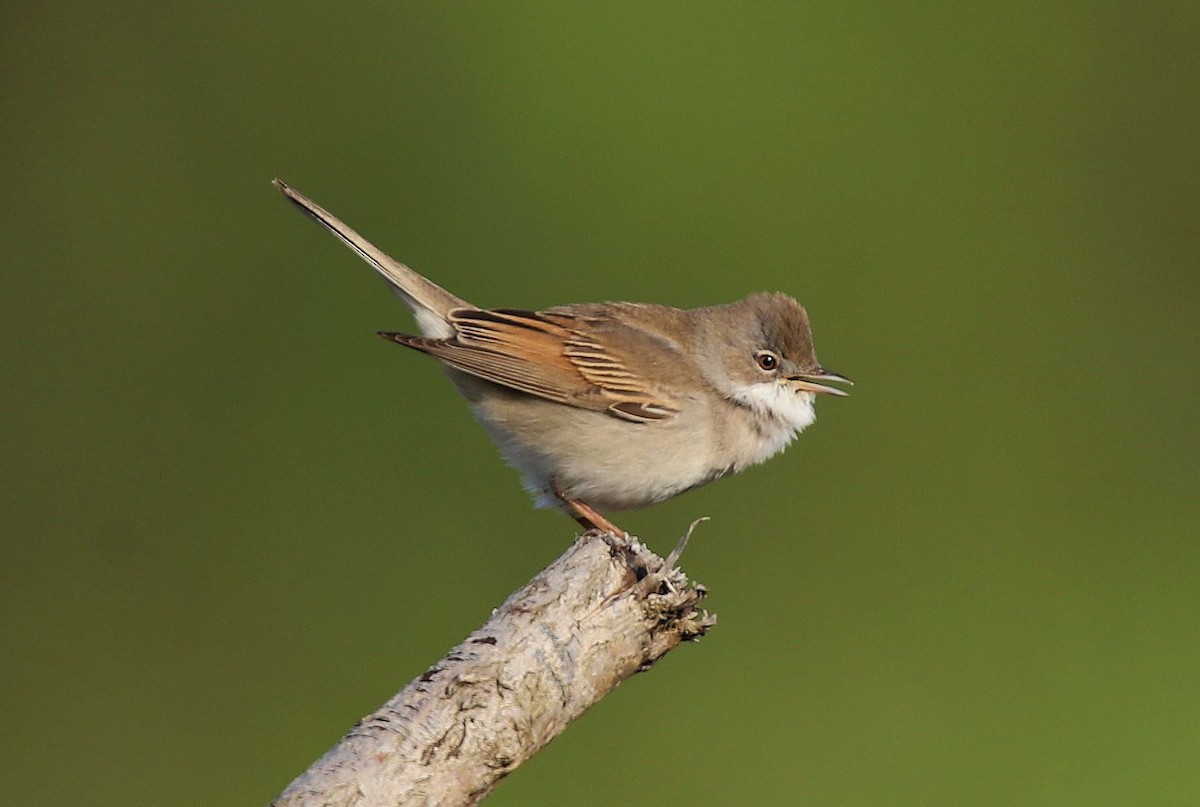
(606, 609)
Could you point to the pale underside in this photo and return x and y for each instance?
(564, 398)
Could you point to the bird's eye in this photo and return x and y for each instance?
(767, 360)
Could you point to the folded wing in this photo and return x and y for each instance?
(551, 354)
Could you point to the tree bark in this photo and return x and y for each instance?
(606, 609)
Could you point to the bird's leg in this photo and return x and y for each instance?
(590, 519)
(586, 515)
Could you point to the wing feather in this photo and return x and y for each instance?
(548, 354)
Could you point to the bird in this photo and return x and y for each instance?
(614, 406)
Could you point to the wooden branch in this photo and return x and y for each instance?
(606, 609)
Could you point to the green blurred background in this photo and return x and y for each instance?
(234, 520)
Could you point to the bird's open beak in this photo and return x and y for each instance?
(810, 382)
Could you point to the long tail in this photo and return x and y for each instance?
(429, 302)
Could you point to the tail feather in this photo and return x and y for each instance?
(430, 303)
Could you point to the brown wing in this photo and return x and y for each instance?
(550, 354)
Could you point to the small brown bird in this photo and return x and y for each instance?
(612, 406)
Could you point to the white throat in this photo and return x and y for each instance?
(783, 413)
